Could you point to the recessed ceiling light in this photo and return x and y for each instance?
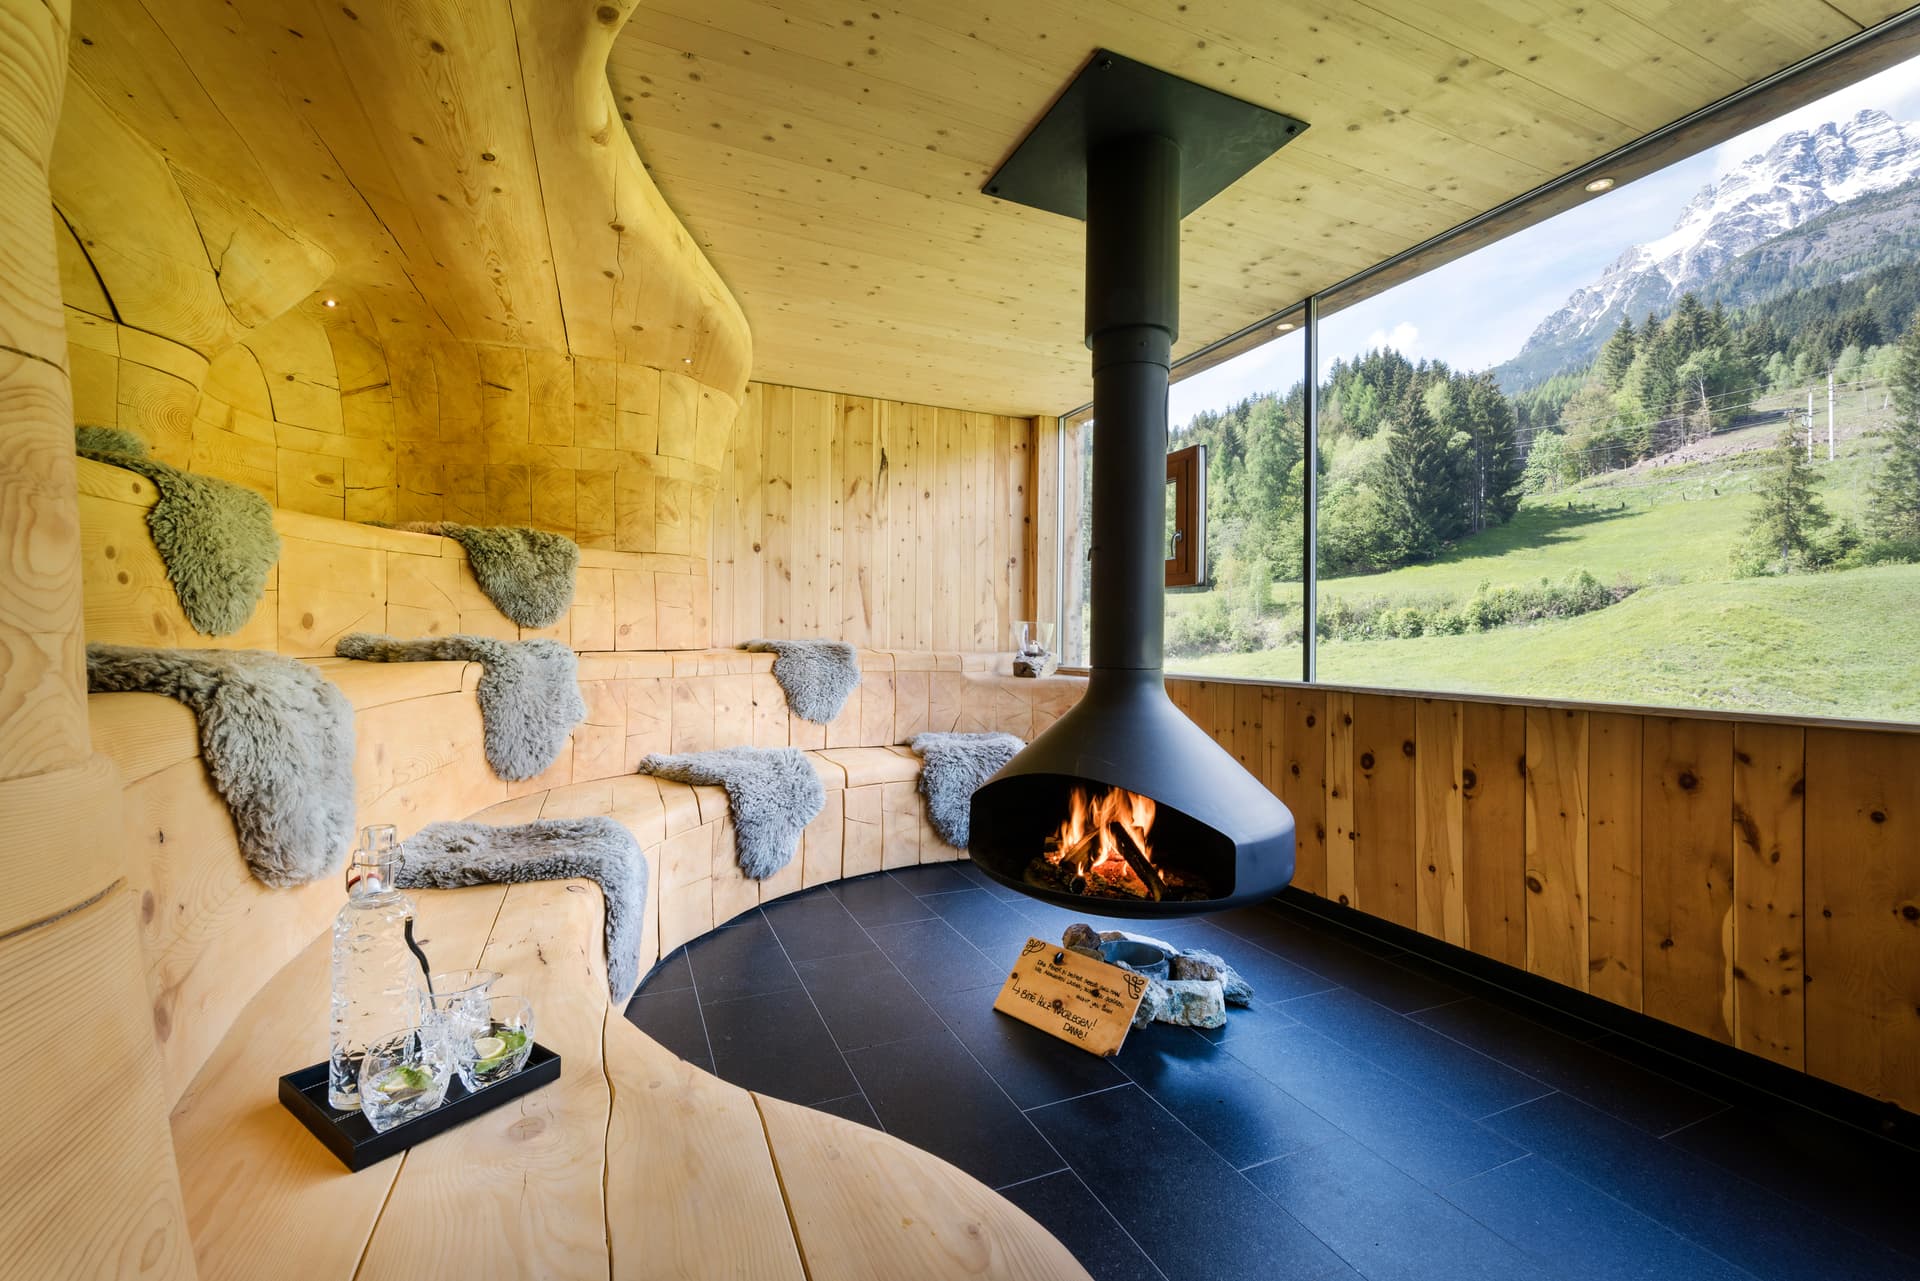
(330, 302)
(1284, 326)
(686, 360)
(1600, 184)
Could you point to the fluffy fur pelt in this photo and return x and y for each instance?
(529, 694)
(817, 675)
(445, 856)
(527, 573)
(772, 793)
(216, 539)
(277, 739)
(952, 768)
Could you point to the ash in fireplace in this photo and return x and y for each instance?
(1194, 990)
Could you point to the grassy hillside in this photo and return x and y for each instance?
(1836, 644)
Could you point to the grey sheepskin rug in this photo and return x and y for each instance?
(772, 792)
(953, 767)
(216, 539)
(277, 739)
(445, 856)
(526, 573)
(529, 694)
(817, 675)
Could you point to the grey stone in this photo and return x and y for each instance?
(1194, 1003)
(1198, 964)
(1081, 937)
(1154, 1003)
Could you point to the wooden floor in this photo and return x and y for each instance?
(1374, 1115)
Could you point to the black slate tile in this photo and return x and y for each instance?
(1387, 1226)
(1233, 1109)
(671, 974)
(1414, 1129)
(989, 923)
(1251, 1021)
(1636, 1095)
(1031, 1066)
(929, 1092)
(853, 1107)
(1468, 1080)
(1857, 1179)
(979, 878)
(1196, 1217)
(865, 1001)
(812, 925)
(880, 900)
(1050, 920)
(935, 958)
(1063, 1206)
(1381, 977)
(931, 878)
(1737, 1220)
(1558, 1219)
(673, 1018)
(778, 1045)
(746, 960)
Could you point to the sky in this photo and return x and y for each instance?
(1478, 310)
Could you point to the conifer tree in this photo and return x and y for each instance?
(1415, 481)
(1893, 508)
(1617, 356)
(1783, 527)
(1497, 464)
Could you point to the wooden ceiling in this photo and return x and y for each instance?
(829, 154)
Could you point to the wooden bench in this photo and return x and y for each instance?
(634, 1164)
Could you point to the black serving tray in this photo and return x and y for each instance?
(351, 1137)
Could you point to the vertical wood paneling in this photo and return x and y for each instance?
(1385, 858)
(1439, 820)
(1687, 873)
(1556, 850)
(1769, 889)
(1613, 857)
(1249, 711)
(1493, 806)
(1342, 887)
(1304, 783)
(1863, 912)
(1043, 569)
(889, 526)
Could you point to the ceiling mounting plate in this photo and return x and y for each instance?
(1220, 137)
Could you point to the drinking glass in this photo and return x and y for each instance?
(500, 1046)
(404, 1075)
(460, 1003)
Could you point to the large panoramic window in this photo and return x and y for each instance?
(1662, 448)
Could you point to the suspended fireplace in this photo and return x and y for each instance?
(1124, 807)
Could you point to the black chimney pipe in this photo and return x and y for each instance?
(1132, 150)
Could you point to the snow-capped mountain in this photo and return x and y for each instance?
(1804, 174)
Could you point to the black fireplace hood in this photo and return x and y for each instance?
(1132, 150)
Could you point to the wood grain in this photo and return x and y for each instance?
(1769, 891)
(1687, 853)
(1614, 912)
(1556, 826)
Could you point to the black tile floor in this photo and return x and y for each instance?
(1373, 1115)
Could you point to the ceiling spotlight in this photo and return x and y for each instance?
(1284, 326)
(329, 302)
(686, 360)
(1599, 185)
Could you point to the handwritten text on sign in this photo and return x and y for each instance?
(1073, 996)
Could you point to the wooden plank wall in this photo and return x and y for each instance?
(1754, 882)
(884, 524)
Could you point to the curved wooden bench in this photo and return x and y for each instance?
(634, 1164)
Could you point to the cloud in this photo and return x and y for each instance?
(1403, 338)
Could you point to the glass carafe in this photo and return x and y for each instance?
(378, 983)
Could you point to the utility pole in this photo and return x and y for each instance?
(1829, 415)
(1809, 424)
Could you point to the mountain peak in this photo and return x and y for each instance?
(1801, 175)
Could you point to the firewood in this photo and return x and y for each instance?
(1137, 859)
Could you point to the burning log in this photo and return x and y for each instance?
(1138, 860)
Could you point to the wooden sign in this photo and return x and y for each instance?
(1073, 996)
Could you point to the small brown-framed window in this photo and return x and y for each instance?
(1187, 516)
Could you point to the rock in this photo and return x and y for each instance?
(1081, 937)
(1154, 1003)
(1197, 964)
(1194, 1003)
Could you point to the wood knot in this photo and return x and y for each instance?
(436, 46)
(488, 156)
(124, 577)
(1310, 720)
(306, 620)
(1296, 769)
(607, 14)
(1687, 781)
(1468, 779)
(147, 908)
(111, 553)
(1911, 912)
(162, 1021)
(1665, 944)
(527, 1127)
(1406, 748)
(1366, 760)
(1534, 886)
(1878, 816)
(1343, 901)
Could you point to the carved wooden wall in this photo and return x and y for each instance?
(883, 524)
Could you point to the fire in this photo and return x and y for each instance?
(1105, 843)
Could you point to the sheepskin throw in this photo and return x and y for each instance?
(529, 694)
(445, 856)
(952, 768)
(526, 573)
(276, 736)
(216, 539)
(817, 675)
(772, 793)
